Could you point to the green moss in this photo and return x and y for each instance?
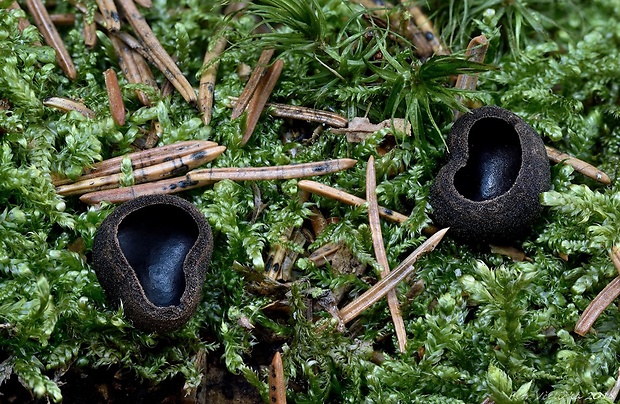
(483, 327)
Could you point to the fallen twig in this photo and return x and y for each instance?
(379, 247)
(51, 36)
(200, 178)
(381, 288)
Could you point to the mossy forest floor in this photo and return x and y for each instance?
(481, 326)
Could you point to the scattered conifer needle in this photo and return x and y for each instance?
(597, 306)
(158, 54)
(426, 26)
(51, 36)
(145, 3)
(612, 393)
(580, 166)
(63, 19)
(110, 13)
(277, 387)
(128, 65)
(344, 197)
(257, 103)
(117, 106)
(250, 87)
(23, 22)
(381, 288)
(380, 254)
(66, 105)
(200, 178)
(476, 52)
(144, 158)
(207, 79)
(90, 33)
(170, 168)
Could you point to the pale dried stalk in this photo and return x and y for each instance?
(128, 65)
(597, 306)
(90, 33)
(257, 103)
(344, 197)
(200, 178)
(476, 52)
(170, 168)
(250, 87)
(580, 166)
(110, 14)
(160, 57)
(117, 106)
(381, 288)
(66, 105)
(143, 158)
(206, 90)
(277, 387)
(51, 36)
(379, 247)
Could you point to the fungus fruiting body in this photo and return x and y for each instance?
(489, 189)
(151, 254)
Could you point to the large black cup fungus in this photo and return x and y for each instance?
(489, 189)
(151, 254)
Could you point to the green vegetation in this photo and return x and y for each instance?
(483, 327)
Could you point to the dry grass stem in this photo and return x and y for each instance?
(110, 14)
(250, 87)
(175, 167)
(200, 178)
(66, 105)
(344, 197)
(381, 288)
(206, 90)
(159, 56)
(128, 65)
(380, 254)
(580, 166)
(277, 387)
(476, 52)
(597, 305)
(257, 103)
(50, 34)
(117, 106)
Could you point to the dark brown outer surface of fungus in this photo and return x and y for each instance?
(152, 254)
(489, 189)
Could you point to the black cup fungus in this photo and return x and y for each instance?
(489, 189)
(151, 254)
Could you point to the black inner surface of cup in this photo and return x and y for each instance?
(155, 241)
(494, 160)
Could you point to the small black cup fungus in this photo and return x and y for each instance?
(489, 189)
(152, 254)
